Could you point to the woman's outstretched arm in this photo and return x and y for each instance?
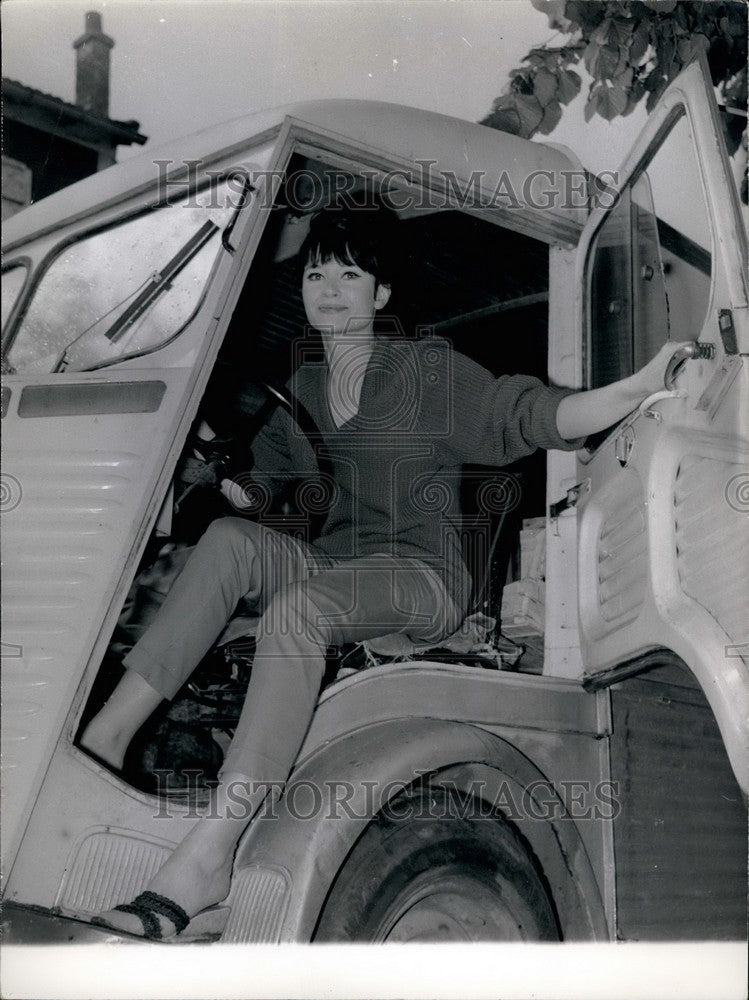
(584, 413)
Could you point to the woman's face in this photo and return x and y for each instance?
(341, 298)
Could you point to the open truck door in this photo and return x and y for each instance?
(661, 497)
(116, 307)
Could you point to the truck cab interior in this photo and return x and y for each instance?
(462, 277)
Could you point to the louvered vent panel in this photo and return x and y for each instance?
(622, 560)
(66, 523)
(712, 541)
(258, 906)
(109, 868)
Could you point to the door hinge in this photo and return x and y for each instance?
(248, 188)
(570, 500)
(727, 331)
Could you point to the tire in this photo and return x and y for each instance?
(432, 867)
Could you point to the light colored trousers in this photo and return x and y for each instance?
(308, 602)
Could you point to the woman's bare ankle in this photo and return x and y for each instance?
(104, 744)
(109, 733)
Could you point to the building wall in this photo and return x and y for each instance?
(53, 160)
(16, 186)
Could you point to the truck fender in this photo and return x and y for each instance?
(294, 849)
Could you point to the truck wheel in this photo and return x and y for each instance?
(433, 867)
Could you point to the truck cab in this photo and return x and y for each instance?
(572, 788)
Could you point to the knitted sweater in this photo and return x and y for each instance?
(424, 410)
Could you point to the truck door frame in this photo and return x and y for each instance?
(725, 683)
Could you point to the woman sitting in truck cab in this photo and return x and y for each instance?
(397, 417)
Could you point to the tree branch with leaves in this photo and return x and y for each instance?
(632, 50)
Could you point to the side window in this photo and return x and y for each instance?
(13, 280)
(126, 289)
(650, 265)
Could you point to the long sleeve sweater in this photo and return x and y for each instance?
(424, 410)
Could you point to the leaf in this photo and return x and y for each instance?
(505, 119)
(624, 79)
(601, 61)
(583, 13)
(609, 62)
(530, 112)
(572, 53)
(544, 87)
(665, 51)
(600, 35)
(620, 31)
(634, 97)
(569, 85)
(552, 117)
(503, 102)
(612, 101)
(591, 105)
(659, 84)
(682, 17)
(591, 56)
(661, 6)
(620, 8)
(653, 80)
(640, 42)
(553, 58)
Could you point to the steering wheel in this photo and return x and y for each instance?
(217, 459)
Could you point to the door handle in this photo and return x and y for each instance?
(694, 349)
(646, 404)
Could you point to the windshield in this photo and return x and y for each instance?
(124, 290)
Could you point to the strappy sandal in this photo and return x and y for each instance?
(147, 906)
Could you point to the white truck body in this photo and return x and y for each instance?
(647, 567)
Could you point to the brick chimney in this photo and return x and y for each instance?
(92, 67)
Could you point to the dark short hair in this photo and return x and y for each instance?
(365, 238)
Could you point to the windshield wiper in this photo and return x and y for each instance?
(159, 282)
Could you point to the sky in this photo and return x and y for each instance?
(182, 65)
